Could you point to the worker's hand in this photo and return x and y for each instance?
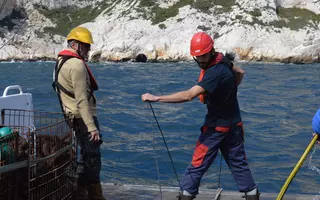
(149, 97)
(95, 136)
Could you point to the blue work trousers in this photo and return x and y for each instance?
(232, 148)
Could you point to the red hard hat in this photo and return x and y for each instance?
(201, 43)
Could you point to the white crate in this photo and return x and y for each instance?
(19, 101)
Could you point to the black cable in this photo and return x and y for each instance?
(156, 161)
(220, 170)
(157, 166)
(164, 140)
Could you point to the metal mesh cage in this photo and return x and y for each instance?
(8, 147)
(8, 144)
(41, 164)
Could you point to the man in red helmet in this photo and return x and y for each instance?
(222, 129)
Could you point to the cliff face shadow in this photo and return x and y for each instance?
(16, 18)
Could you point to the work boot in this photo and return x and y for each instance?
(95, 192)
(185, 197)
(252, 197)
(81, 192)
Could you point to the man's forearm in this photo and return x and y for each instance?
(87, 117)
(178, 97)
(238, 78)
(238, 74)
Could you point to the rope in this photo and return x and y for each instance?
(155, 158)
(220, 170)
(297, 167)
(164, 140)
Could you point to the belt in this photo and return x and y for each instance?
(223, 129)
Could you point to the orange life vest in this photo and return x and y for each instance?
(218, 58)
(66, 54)
(93, 82)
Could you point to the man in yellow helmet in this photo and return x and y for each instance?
(75, 84)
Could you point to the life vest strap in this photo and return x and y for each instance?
(93, 82)
(64, 90)
(56, 85)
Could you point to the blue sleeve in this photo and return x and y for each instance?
(316, 122)
(227, 62)
(210, 80)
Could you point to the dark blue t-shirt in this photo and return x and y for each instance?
(221, 96)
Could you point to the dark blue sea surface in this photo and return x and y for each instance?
(277, 105)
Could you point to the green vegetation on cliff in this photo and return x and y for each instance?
(293, 18)
(296, 18)
(67, 18)
(151, 11)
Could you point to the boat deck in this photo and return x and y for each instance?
(143, 192)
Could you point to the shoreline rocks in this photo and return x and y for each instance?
(250, 29)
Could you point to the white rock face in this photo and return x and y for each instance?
(54, 4)
(117, 35)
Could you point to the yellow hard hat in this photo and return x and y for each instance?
(81, 34)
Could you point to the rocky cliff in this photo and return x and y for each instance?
(259, 30)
